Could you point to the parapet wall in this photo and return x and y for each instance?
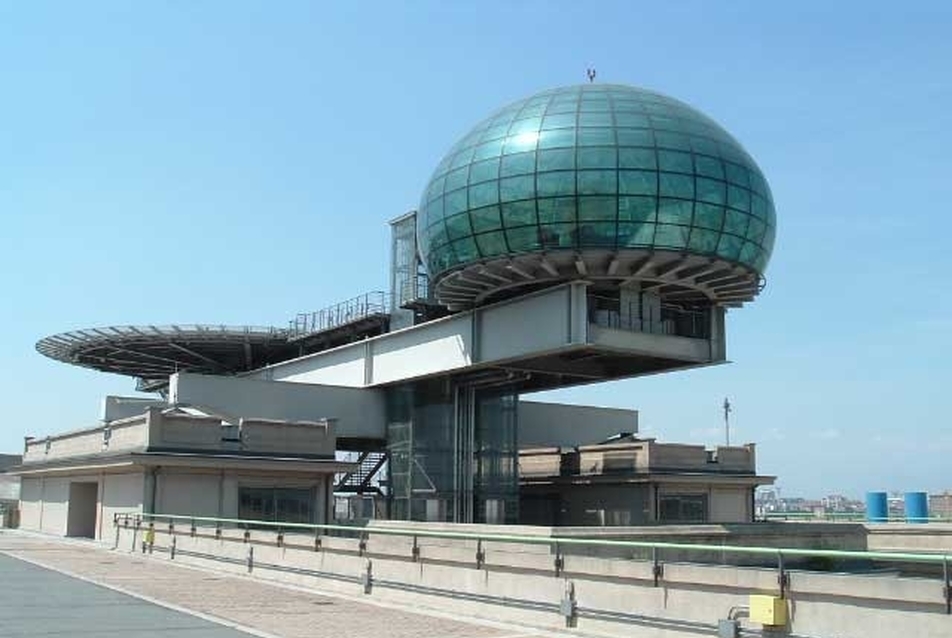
(528, 583)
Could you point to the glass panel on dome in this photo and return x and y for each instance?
(462, 158)
(518, 213)
(434, 209)
(488, 150)
(637, 158)
(523, 238)
(522, 187)
(435, 189)
(756, 230)
(495, 133)
(591, 104)
(676, 185)
(559, 138)
(558, 235)
(675, 211)
(484, 219)
(708, 215)
(597, 234)
(637, 209)
(529, 125)
(558, 120)
(521, 143)
(454, 202)
(556, 183)
(596, 137)
(709, 166)
(635, 234)
(483, 171)
(517, 164)
(729, 246)
(738, 198)
(709, 190)
(556, 209)
(437, 233)
(598, 157)
(737, 174)
(674, 141)
(483, 194)
(635, 137)
(637, 182)
(594, 119)
(597, 208)
(491, 244)
(458, 226)
(465, 250)
(669, 236)
(736, 223)
(456, 179)
(758, 206)
(675, 161)
(633, 120)
(597, 182)
(563, 106)
(748, 253)
(703, 241)
(556, 159)
(704, 145)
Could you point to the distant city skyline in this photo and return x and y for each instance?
(218, 163)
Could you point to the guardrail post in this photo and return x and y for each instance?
(171, 527)
(480, 554)
(657, 569)
(947, 590)
(149, 539)
(415, 553)
(218, 531)
(367, 577)
(251, 558)
(559, 560)
(247, 536)
(317, 540)
(172, 549)
(783, 578)
(568, 606)
(362, 544)
(280, 538)
(192, 531)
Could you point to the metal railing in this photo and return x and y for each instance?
(779, 556)
(609, 312)
(369, 304)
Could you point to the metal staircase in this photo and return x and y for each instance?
(361, 480)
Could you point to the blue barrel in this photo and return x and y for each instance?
(917, 507)
(877, 507)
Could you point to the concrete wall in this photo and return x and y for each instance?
(615, 596)
(54, 505)
(114, 408)
(188, 493)
(730, 504)
(557, 424)
(358, 413)
(31, 502)
(119, 493)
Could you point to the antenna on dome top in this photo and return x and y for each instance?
(590, 72)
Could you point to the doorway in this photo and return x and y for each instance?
(81, 513)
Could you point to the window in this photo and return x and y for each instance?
(278, 504)
(683, 508)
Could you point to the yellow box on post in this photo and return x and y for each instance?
(768, 610)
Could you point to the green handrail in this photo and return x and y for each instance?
(905, 557)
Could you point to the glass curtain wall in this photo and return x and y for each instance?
(453, 453)
(421, 440)
(496, 454)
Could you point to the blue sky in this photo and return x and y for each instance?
(236, 162)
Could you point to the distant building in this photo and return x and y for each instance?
(940, 505)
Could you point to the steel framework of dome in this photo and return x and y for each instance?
(609, 183)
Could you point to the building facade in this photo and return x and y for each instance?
(580, 235)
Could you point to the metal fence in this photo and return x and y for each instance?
(371, 304)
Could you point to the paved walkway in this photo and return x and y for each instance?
(39, 602)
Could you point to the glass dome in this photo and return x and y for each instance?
(596, 167)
